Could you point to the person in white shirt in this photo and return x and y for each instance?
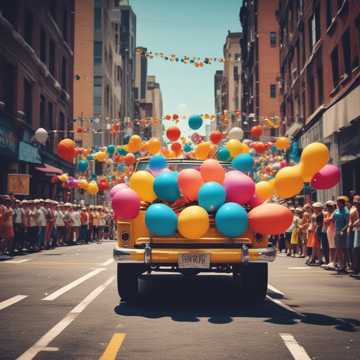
(41, 220)
(76, 221)
(18, 226)
(59, 225)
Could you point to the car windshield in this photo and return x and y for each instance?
(180, 165)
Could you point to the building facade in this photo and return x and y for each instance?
(218, 96)
(260, 62)
(36, 89)
(154, 97)
(320, 77)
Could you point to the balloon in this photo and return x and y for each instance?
(282, 143)
(195, 122)
(63, 177)
(202, 150)
(117, 188)
(135, 143)
(216, 137)
(176, 147)
(83, 165)
(243, 162)
(154, 146)
(66, 149)
(326, 178)
(212, 170)
(256, 131)
(288, 182)
(314, 157)
(103, 185)
(193, 222)
(100, 156)
(166, 186)
(239, 187)
(211, 196)
(121, 151)
(41, 136)
(121, 167)
(126, 204)
(110, 149)
(83, 184)
(236, 147)
(255, 201)
(190, 181)
(259, 147)
(187, 148)
(231, 219)
(236, 133)
(270, 219)
(157, 162)
(161, 220)
(223, 154)
(264, 190)
(173, 133)
(92, 188)
(143, 182)
(129, 159)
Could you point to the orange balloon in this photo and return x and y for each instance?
(176, 147)
(129, 159)
(154, 146)
(212, 170)
(190, 181)
(66, 149)
(202, 151)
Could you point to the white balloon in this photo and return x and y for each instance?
(41, 135)
(236, 133)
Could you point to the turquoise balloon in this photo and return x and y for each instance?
(90, 157)
(110, 149)
(166, 186)
(223, 154)
(161, 220)
(211, 196)
(195, 122)
(83, 165)
(157, 162)
(243, 162)
(231, 219)
(187, 148)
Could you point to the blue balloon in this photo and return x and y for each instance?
(121, 167)
(243, 162)
(166, 186)
(90, 157)
(187, 148)
(195, 122)
(121, 151)
(211, 196)
(231, 219)
(83, 165)
(93, 177)
(157, 162)
(110, 149)
(161, 220)
(223, 154)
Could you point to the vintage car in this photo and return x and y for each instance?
(136, 251)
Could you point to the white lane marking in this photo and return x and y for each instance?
(275, 290)
(16, 261)
(73, 284)
(11, 301)
(299, 268)
(107, 262)
(297, 351)
(45, 340)
(284, 306)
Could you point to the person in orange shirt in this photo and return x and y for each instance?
(6, 225)
(84, 227)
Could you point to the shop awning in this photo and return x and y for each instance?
(48, 169)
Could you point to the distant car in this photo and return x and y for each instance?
(136, 251)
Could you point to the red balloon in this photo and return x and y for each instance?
(176, 147)
(256, 131)
(129, 159)
(216, 137)
(175, 116)
(66, 149)
(173, 133)
(326, 178)
(259, 147)
(168, 117)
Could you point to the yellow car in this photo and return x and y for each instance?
(136, 251)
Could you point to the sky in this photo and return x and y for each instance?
(185, 27)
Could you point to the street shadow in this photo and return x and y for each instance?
(219, 299)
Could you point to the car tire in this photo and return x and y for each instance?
(127, 281)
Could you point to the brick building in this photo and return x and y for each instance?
(260, 61)
(320, 77)
(36, 88)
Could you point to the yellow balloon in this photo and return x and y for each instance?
(92, 188)
(63, 177)
(126, 148)
(202, 150)
(314, 157)
(135, 143)
(154, 146)
(282, 143)
(236, 147)
(288, 182)
(193, 222)
(100, 156)
(264, 190)
(143, 183)
(83, 184)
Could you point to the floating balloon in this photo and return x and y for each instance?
(326, 178)
(166, 186)
(41, 136)
(121, 151)
(129, 159)
(243, 162)
(264, 190)
(110, 149)
(161, 220)
(83, 184)
(176, 147)
(239, 187)
(190, 181)
(282, 143)
(157, 162)
(154, 146)
(135, 143)
(193, 222)
(143, 182)
(288, 182)
(211, 196)
(195, 122)
(212, 170)
(270, 219)
(223, 154)
(92, 188)
(173, 133)
(236, 147)
(202, 151)
(255, 201)
(100, 156)
(187, 148)
(103, 185)
(83, 165)
(117, 188)
(256, 131)
(236, 133)
(126, 204)
(66, 149)
(216, 137)
(231, 220)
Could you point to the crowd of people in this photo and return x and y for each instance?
(34, 225)
(327, 235)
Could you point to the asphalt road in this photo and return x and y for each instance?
(63, 304)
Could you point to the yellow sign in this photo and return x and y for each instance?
(19, 184)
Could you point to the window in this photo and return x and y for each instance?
(335, 66)
(273, 39)
(314, 27)
(52, 57)
(50, 126)
(64, 74)
(28, 101)
(329, 12)
(339, 3)
(65, 25)
(61, 124)
(28, 27)
(43, 46)
(346, 51)
(358, 35)
(97, 52)
(311, 90)
(97, 18)
(236, 73)
(53, 9)
(97, 80)
(320, 84)
(42, 112)
(7, 85)
(272, 90)
(9, 10)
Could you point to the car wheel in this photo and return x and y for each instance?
(127, 280)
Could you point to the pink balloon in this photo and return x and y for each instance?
(126, 204)
(117, 188)
(326, 178)
(239, 187)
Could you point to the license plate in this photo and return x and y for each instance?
(197, 261)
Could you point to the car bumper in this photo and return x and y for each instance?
(170, 256)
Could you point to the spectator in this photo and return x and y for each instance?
(353, 216)
(295, 232)
(59, 224)
(330, 232)
(18, 226)
(76, 222)
(50, 222)
(356, 229)
(84, 228)
(40, 216)
(68, 220)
